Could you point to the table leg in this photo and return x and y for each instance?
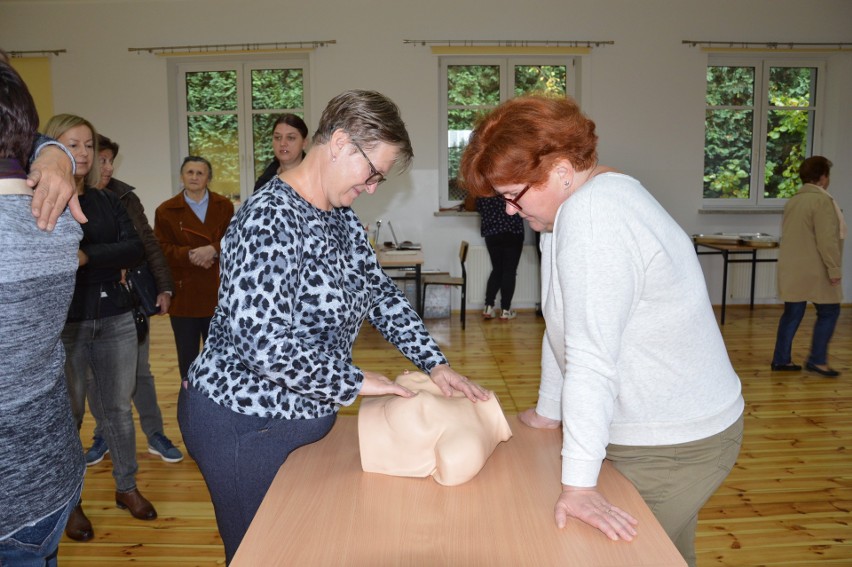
(753, 272)
(417, 281)
(724, 283)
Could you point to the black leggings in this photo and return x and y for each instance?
(505, 252)
(189, 332)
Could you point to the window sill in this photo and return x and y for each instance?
(455, 213)
(742, 211)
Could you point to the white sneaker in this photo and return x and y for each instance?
(508, 314)
(488, 312)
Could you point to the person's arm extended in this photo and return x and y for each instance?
(51, 176)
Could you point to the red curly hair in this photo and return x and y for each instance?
(521, 140)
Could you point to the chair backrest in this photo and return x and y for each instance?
(463, 257)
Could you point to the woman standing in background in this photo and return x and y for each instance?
(100, 336)
(289, 141)
(190, 227)
(504, 238)
(810, 267)
(145, 393)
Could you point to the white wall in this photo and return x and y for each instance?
(645, 92)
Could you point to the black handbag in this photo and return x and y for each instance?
(142, 284)
(141, 324)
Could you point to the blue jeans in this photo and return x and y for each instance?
(239, 456)
(827, 314)
(100, 365)
(145, 395)
(38, 545)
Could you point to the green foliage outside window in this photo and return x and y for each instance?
(729, 130)
(213, 118)
(474, 90)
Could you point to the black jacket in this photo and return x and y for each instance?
(111, 243)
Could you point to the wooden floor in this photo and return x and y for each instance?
(787, 502)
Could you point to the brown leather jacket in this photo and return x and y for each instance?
(153, 253)
(179, 231)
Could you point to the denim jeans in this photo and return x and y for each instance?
(145, 395)
(189, 332)
(239, 456)
(38, 545)
(827, 314)
(100, 366)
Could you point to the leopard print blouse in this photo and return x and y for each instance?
(297, 283)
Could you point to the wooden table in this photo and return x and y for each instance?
(323, 510)
(729, 250)
(405, 259)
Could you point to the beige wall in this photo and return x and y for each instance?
(645, 92)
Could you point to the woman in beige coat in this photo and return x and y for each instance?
(809, 267)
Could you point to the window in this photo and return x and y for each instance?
(226, 110)
(762, 119)
(471, 87)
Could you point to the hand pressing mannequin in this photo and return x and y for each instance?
(429, 434)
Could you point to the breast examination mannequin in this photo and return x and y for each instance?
(429, 434)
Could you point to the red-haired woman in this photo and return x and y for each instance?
(633, 364)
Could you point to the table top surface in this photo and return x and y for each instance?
(738, 246)
(322, 509)
(399, 258)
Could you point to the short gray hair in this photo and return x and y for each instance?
(368, 117)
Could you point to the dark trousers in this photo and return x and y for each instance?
(190, 333)
(827, 314)
(505, 252)
(239, 456)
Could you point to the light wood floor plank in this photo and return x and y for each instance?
(786, 503)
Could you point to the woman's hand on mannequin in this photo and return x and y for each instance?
(531, 418)
(448, 380)
(589, 506)
(376, 384)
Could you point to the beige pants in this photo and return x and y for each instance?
(676, 480)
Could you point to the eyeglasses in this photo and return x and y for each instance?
(514, 202)
(375, 175)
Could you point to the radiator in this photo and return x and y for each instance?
(739, 281)
(527, 287)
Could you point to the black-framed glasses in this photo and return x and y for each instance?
(375, 175)
(514, 202)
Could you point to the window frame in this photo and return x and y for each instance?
(507, 78)
(762, 65)
(243, 66)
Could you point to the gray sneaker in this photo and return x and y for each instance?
(161, 446)
(97, 451)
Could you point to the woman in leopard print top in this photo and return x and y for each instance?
(298, 279)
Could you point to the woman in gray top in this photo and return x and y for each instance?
(41, 459)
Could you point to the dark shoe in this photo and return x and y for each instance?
(138, 506)
(163, 447)
(829, 372)
(789, 367)
(96, 452)
(79, 528)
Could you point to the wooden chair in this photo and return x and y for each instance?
(450, 280)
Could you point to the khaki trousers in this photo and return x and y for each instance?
(676, 480)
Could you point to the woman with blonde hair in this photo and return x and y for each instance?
(100, 335)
